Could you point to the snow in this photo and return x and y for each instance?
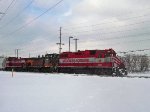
(140, 74)
(40, 92)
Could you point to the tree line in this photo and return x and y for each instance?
(137, 63)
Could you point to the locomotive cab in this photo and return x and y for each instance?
(14, 63)
(51, 62)
(118, 64)
(109, 57)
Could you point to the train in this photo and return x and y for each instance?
(92, 62)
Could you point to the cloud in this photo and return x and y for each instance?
(120, 16)
(93, 22)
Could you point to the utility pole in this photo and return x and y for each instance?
(69, 42)
(60, 43)
(76, 44)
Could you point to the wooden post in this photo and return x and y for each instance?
(12, 73)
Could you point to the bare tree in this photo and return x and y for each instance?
(136, 63)
(144, 65)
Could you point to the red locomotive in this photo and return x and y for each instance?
(14, 63)
(47, 63)
(100, 62)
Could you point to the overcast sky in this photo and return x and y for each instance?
(98, 24)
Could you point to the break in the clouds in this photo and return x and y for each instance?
(98, 24)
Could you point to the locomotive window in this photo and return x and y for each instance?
(114, 54)
(92, 52)
(64, 55)
(107, 55)
(78, 54)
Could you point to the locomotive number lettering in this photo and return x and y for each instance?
(75, 60)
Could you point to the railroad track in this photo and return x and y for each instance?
(146, 77)
(137, 76)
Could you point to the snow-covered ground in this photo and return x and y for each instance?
(35, 92)
(147, 74)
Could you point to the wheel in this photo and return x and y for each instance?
(119, 71)
(122, 71)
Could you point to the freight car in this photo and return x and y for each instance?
(100, 62)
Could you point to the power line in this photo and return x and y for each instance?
(6, 10)
(124, 37)
(78, 32)
(114, 43)
(132, 24)
(135, 35)
(107, 22)
(139, 50)
(117, 43)
(121, 37)
(27, 24)
(120, 15)
(25, 44)
(30, 22)
(28, 5)
(114, 31)
(110, 28)
(100, 34)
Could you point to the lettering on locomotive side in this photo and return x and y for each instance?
(16, 61)
(74, 60)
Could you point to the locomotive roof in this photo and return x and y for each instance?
(105, 50)
(87, 53)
